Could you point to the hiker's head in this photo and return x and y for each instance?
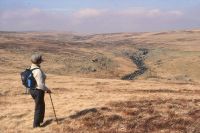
(36, 59)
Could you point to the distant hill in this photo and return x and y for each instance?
(172, 56)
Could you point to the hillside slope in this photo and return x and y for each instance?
(103, 105)
(160, 93)
(172, 56)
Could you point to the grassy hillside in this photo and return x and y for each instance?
(85, 74)
(103, 105)
(172, 55)
(63, 54)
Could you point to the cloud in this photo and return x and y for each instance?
(32, 19)
(88, 13)
(142, 12)
(176, 13)
(5, 15)
(97, 20)
(129, 20)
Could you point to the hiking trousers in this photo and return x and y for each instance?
(38, 96)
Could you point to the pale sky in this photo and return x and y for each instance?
(99, 16)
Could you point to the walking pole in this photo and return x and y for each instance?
(53, 108)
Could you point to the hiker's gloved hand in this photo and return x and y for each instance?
(48, 91)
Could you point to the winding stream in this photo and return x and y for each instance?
(138, 59)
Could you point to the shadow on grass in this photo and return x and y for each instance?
(77, 115)
(50, 121)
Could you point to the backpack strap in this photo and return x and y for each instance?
(34, 69)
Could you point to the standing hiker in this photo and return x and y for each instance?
(39, 90)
